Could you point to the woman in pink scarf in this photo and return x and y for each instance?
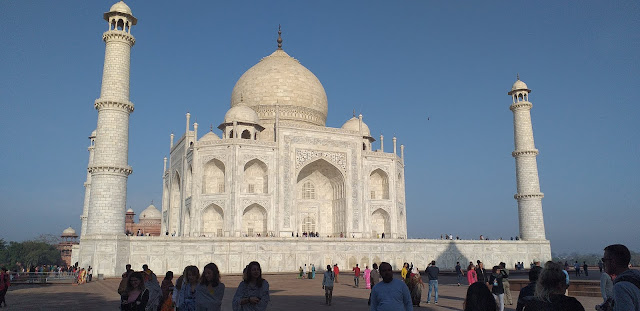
(367, 277)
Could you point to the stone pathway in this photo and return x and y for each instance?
(287, 293)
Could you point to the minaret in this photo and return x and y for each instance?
(110, 169)
(529, 196)
(87, 186)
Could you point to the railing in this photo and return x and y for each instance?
(43, 277)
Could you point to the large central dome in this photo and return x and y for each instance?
(280, 78)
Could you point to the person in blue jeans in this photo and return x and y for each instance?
(432, 273)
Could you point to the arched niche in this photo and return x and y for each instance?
(379, 185)
(254, 220)
(380, 223)
(176, 200)
(256, 177)
(212, 221)
(213, 179)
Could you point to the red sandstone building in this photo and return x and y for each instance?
(69, 239)
(148, 222)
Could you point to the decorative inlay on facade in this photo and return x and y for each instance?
(249, 157)
(222, 203)
(124, 170)
(113, 104)
(235, 142)
(120, 36)
(529, 196)
(262, 202)
(525, 152)
(316, 127)
(304, 156)
(518, 105)
(376, 154)
(220, 157)
(290, 112)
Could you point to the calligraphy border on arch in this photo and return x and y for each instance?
(304, 156)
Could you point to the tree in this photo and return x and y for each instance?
(28, 253)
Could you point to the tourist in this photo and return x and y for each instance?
(497, 288)
(404, 271)
(167, 292)
(313, 271)
(606, 289)
(585, 267)
(136, 295)
(375, 279)
(481, 273)
(432, 273)
(479, 298)
(415, 285)
(550, 290)
(390, 294)
(300, 272)
(336, 272)
(600, 265)
(145, 269)
(175, 296)
(528, 292)
(327, 285)
(367, 277)
(304, 271)
(576, 266)
(210, 291)
(626, 290)
(459, 272)
(472, 276)
(505, 283)
(187, 295)
(253, 292)
(356, 275)
(4, 285)
(155, 292)
(122, 288)
(90, 274)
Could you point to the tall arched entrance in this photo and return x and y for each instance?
(321, 199)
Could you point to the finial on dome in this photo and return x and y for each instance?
(279, 38)
(211, 127)
(354, 113)
(151, 202)
(241, 98)
(517, 76)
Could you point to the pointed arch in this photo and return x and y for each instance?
(188, 181)
(379, 185)
(176, 200)
(254, 220)
(380, 223)
(212, 221)
(256, 177)
(213, 179)
(246, 134)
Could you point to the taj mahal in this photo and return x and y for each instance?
(272, 173)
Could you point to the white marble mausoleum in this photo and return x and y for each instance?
(272, 172)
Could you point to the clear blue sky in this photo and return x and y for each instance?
(396, 62)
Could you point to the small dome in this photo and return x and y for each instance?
(209, 137)
(519, 85)
(241, 113)
(121, 7)
(151, 212)
(69, 232)
(353, 124)
(130, 211)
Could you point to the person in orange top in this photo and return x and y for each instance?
(356, 275)
(336, 271)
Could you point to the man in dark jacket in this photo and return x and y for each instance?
(527, 293)
(432, 274)
(482, 275)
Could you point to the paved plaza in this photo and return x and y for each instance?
(287, 294)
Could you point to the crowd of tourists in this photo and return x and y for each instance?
(140, 290)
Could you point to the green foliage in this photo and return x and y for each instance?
(28, 253)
